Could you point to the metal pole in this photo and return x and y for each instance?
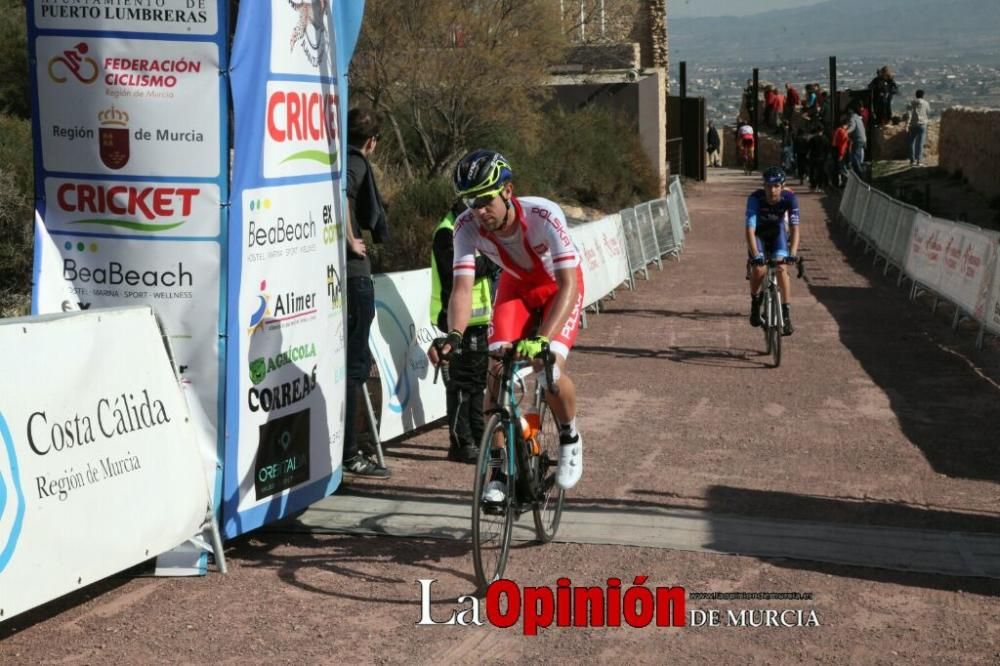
(684, 78)
(834, 98)
(756, 119)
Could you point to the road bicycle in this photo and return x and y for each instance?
(526, 465)
(771, 315)
(746, 157)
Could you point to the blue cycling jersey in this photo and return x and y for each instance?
(761, 214)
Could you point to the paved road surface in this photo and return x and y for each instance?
(879, 420)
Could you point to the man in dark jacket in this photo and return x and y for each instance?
(365, 211)
(713, 143)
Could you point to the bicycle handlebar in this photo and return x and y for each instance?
(504, 355)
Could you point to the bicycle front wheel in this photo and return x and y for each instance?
(492, 521)
(765, 322)
(775, 327)
(548, 511)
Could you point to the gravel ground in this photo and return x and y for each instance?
(879, 415)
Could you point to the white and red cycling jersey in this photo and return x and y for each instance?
(539, 246)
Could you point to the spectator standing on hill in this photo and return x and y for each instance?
(465, 378)
(809, 102)
(883, 87)
(713, 142)
(917, 130)
(792, 101)
(819, 155)
(841, 143)
(366, 211)
(856, 132)
(801, 145)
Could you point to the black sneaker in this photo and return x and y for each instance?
(463, 454)
(786, 315)
(755, 300)
(361, 466)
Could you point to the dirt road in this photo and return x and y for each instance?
(878, 416)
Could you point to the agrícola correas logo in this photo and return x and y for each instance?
(11, 496)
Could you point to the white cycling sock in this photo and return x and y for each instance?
(569, 429)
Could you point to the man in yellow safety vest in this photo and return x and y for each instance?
(465, 378)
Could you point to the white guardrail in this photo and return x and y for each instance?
(956, 262)
(613, 250)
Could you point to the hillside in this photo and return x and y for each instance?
(842, 27)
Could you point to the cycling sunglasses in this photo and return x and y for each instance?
(483, 199)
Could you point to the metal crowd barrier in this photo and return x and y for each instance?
(967, 277)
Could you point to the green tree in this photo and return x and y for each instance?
(449, 72)
(14, 98)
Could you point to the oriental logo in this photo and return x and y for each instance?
(113, 137)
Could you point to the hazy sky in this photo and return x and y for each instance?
(689, 8)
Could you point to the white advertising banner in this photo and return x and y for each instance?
(991, 316)
(181, 17)
(291, 342)
(965, 278)
(924, 257)
(122, 208)
(99, 470)
(126, 106)
(301, 129)
(400, 335)
(602, 255)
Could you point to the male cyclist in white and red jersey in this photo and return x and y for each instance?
(528, 239)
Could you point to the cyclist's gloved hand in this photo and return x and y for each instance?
(758, 260)
(791, 259)
(532, 347)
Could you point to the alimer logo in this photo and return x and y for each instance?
(262, 310)
(287, 308)
(11, 496)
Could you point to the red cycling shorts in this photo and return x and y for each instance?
(518, 300)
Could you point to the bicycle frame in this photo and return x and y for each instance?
(509, 407)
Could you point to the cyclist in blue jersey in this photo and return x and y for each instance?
(771, 212)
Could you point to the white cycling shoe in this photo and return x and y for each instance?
(495, 492)
(570, 463)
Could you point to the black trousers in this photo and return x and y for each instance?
(465, 383)
(360, 303)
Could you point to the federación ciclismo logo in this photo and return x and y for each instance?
(11, 496)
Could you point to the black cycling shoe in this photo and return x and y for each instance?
(755, 319)
(788, 328)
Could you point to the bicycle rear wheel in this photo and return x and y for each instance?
(492, 522)
(548, 512)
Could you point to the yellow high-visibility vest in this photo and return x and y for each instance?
(482, 304)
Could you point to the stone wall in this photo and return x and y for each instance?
(895, 145)
(970, 143)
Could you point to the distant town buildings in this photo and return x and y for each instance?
(946, 81)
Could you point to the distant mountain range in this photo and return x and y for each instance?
(845, 28)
